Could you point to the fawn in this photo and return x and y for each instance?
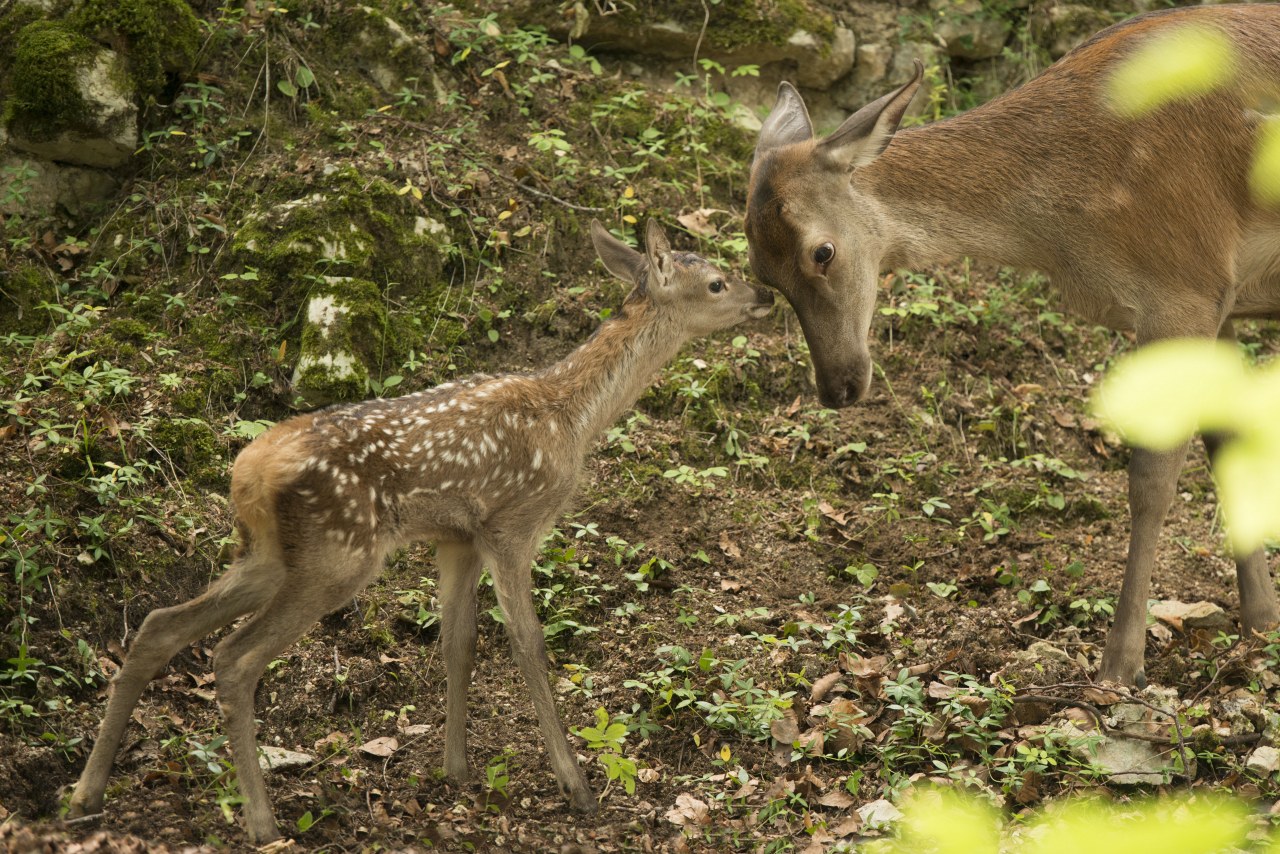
(483, 466)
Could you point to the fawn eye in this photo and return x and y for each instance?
(823, 254)
(716, 287)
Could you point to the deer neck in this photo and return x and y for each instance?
(950, 189)
(605, 376)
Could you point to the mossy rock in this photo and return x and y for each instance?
(344, 321)
(352, 226)
(193, 447)
(21, 295)
(44, 86)
(156, 37)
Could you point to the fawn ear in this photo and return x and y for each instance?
(618, 258)
(658, 251)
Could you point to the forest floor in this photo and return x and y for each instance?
(797, 614)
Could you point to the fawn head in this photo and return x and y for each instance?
(686, 287)
(813, 236)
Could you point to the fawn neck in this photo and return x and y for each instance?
(601, 379)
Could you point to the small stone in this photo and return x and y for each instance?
(1186, 616)
(879, 814)
(1264, 761)
(280, 759)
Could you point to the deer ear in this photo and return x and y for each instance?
(868, 132)
(658, 252)
(618, 258)
(788, 122)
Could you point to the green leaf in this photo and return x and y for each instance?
(1170, 826)
(304, 77)
(1247, 471)
(1159, 396)
(287, 88)
(1182, 62)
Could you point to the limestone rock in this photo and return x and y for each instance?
(812, 59)
(1125, 761)
(273, 758)
(49, 188)
(1189, 616)
(105, 135)
(1059, 27)
(968, 30)
(340, 314)
(1264, 761)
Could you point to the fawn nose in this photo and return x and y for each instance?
(764, 302)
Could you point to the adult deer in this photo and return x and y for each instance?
(1144, 224)
(483, 467)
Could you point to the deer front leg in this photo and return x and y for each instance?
(1258, 609)
(460, 567)
(1153, 479)
(513, 584)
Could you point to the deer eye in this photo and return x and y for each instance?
(716, 287)
(823, 254)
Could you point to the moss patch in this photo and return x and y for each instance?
(20, 297)
(44, 85)
(155, 36)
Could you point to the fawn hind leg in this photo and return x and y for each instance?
(460, 567)
(242, 589)
(242, 656)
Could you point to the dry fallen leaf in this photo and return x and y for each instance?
(837, 516)
(838, 798)
(785, 730)
(728, 546)
(381, 747)
(823, 685)
(689, 811)
(699, 221)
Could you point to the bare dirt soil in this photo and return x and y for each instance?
(825, 608)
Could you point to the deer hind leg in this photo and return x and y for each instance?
(460, 566)
(239, 660)
(512, 582)
(1258, 609)
(242, 589)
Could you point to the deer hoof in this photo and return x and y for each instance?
(584, 801)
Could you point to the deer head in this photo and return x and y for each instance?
(816, 238)
(696, 295)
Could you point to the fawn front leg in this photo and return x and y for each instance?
(513, 584)
(460, 567)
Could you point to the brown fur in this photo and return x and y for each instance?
(483, 467)
(1145, 224)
